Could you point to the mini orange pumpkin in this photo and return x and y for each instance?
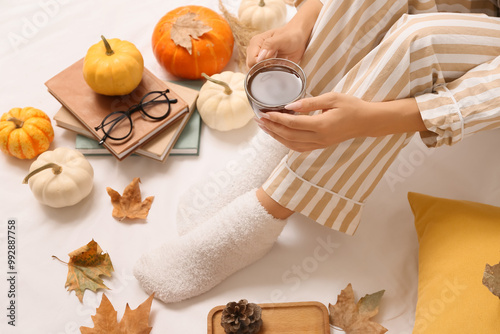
(191, 40)
(25, 133)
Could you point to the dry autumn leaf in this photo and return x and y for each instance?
(354, 318)
(85, 266)
(491, 278)
(130, 205)
(133, 321)
(187, 27)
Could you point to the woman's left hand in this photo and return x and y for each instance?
(340, 119)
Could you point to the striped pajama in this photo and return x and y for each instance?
(384, 50)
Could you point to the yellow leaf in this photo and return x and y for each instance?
(354, 318)
(130, 205)
(85, 266)
(491, 278)
(133, 321)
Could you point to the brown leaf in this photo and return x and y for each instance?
(187, 27)
(368, 305)
(491, 278)
(129, 205)
(85, 266)
(133, 321)
(354, 318)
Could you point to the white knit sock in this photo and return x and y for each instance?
(240, 234)
(249, 170)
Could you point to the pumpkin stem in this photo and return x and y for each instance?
(56, 169)
(16, 121)
(109, 50)
(262, 3)
(227, 89)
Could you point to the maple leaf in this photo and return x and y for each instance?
(132, 322)
(187, 27)
(491, 278)
(129, 205)
(354, 318)
(85, 266)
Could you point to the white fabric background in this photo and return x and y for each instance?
(53, 34)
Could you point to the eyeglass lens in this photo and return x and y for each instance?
(117, 125)
(156, 105)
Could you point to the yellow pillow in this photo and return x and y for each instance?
(456, 240)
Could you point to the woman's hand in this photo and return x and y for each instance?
(338, 121)
(289, 41)
(281, 42)
(342, 117)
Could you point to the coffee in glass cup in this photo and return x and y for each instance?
(273, 83)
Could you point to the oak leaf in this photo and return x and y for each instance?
(187, 27)
(85, 266)
(354, 318)
(132, 322)
(130, 205)
(491, 278)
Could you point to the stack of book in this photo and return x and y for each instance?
(83, 110)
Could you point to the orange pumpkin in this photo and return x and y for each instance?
(25, 133)
(200, 42)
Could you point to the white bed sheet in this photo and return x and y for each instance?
(308, 263)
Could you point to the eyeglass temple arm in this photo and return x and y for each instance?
(105, 136)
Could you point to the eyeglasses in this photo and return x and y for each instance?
(118, 124)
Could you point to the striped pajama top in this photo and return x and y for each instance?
(456, 100)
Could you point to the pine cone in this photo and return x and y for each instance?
(241, 318)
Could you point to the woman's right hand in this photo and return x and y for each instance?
(281, 42)
(289, 41)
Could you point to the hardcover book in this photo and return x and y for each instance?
(181, 137)
(90, 108)
(188, 142)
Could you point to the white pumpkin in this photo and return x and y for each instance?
(61, 177)
(222, 103)
(262, 14)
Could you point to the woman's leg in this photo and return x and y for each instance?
(272, 207)
(248, 169)
(238, 235)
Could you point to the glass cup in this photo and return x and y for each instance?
(273, 83)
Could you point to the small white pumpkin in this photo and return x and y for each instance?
(262, 14)
(222, 103)
(59, 178)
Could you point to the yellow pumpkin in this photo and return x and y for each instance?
(113, 67)
(25, 133)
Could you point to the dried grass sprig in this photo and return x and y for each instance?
(242, 34)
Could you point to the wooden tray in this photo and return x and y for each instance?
(281, 318)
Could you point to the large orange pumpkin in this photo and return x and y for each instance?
(210, 51)
(25, 133)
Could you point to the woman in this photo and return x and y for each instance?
(378, 72)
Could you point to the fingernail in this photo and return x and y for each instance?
(264, 115)
(261, 54)
(294, 105)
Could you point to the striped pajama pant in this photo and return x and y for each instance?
(378, 52)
